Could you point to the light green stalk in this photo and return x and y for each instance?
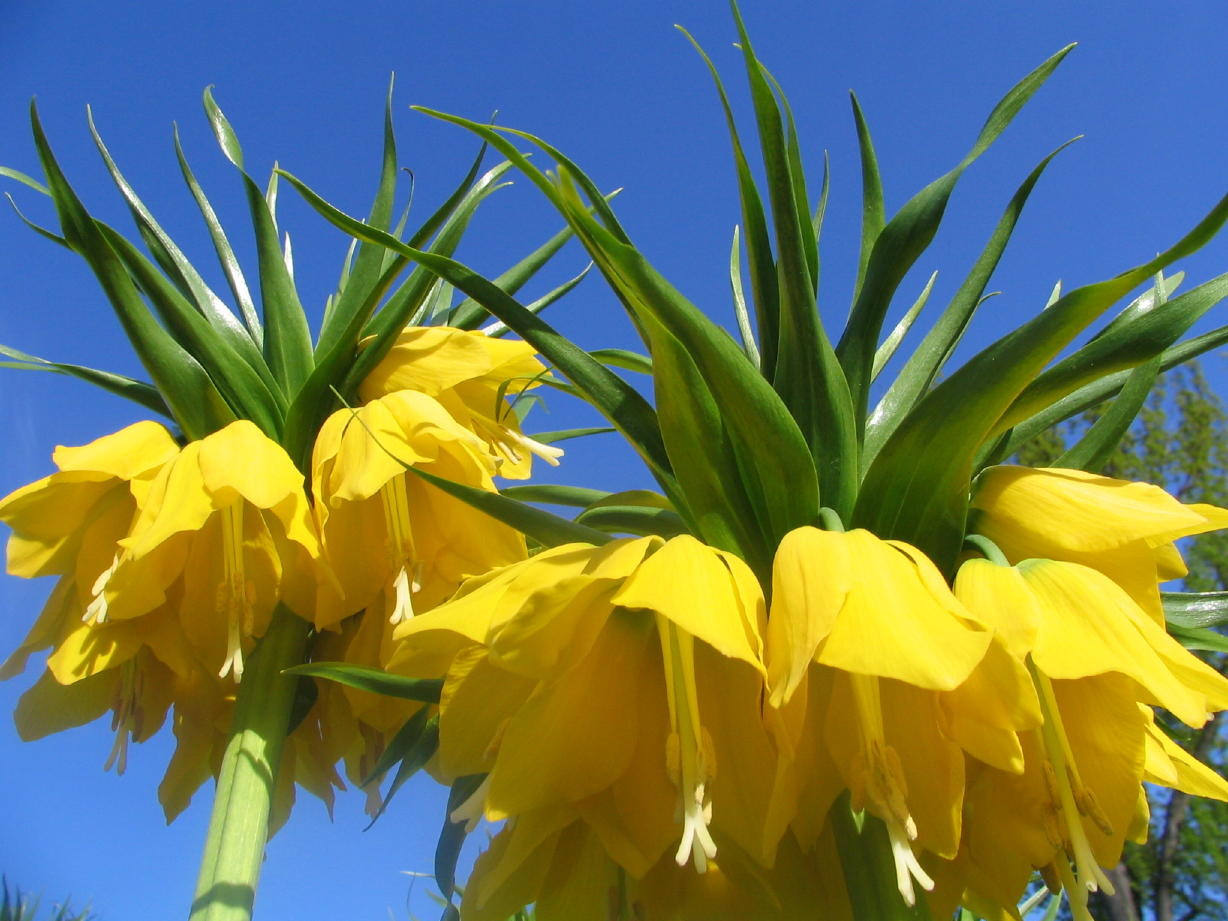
(239, 826)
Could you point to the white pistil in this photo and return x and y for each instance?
(688, 752)
(125, 715)
(885, 789)
(401, 552)
(96, 610)
(234, 595)
(512, 439)
(1072, 801)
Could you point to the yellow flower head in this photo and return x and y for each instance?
(228, 522)
(469, 374)
(877, 671)
(620, 681)
(390, 536)
(1124, 529)
(1098, 662)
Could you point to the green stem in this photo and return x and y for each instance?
(239, 826)
(869, 870)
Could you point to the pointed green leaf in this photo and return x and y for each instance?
(634, 519)
(375, 680)
(925, 363)
(873, 210)
(287, 340)
(619, 402)
(138, 391)
(555, 494)
(917, 488)
(909, 233)
(193, 399)
(1195, 609)
(892, 342)
(417, 741)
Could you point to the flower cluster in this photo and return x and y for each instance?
(172, 559)
(656, 726)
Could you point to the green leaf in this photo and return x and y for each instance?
(366, 271)
(806, 374)
(1092, 395)
(191, 395)
(1195, 610)
(1199, 638)
(138, 391)
(1125, 345)
(417, 740)
(893, 340)
(764, 285)
(225, 253)
(287, 339)
(499, 328)
(451, 838)
(917, 488)
(24, 179)
(377, 681)
(740, 311)
(547, 529)
(341, 368)
(925, 363)
(549, 438)
(469, 313)
(552, 494)
(634, 519)
(1101, 440)
(873, 211)
(244, 390)
(618, 401)
(909, 233)
(183, 274)
(622, 358)
(38, 229)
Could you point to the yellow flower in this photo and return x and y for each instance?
(226, 520)
(877, 671)
(1098, 662)
(622, 682)
(469, 374)
(552, 858)
(391, 537)
(1126, 530)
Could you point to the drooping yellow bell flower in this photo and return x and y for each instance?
(227, 521)
(876, 669)
(622, 681)
(390, 536)
(1094, 656)
(1124, 529)
(70, 524)
(472, 376)
(552, 858)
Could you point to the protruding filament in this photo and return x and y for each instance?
(96, 610)
(884, 789)
(126, 715)
(401, 551)
(513, 439)
(689, 758)
(1072, 801)
(234, 596)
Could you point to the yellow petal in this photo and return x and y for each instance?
(1034, 511)
(900, 621)
(1000, 597)
(709, 594)
(811, 576)
(1169, 764)
(124, 455)
(576, 735)
(1091, 627)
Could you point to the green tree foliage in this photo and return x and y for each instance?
(1179, 442)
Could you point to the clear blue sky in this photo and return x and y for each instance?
(620, 90)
